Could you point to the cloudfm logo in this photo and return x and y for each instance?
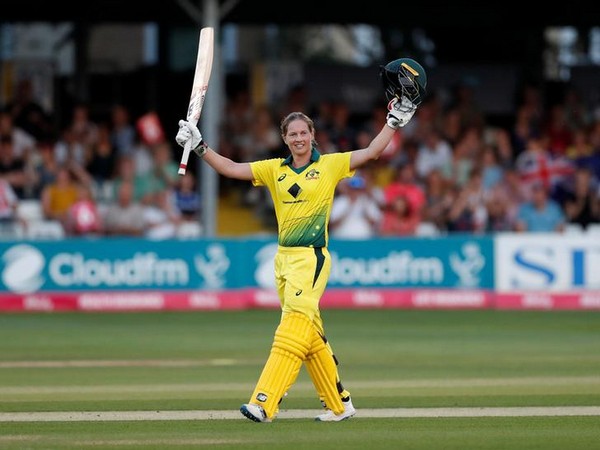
(22, 270)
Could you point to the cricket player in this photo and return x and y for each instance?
(302, 187)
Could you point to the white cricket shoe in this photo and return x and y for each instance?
(330, 416)
(254, 412)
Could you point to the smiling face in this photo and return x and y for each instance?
(298, 133)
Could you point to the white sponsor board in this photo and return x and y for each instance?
(547, 262)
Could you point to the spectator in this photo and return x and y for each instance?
(8, 207)
(468, 213)
(45, 168)
(582, 203)
(126, 172)
(122, 132)
(162, 217)
(59, 195)
(28, 114)
(434, 153)
(101, 159)
(406, 185)
(558, 130)
(511, 192)
(499, 218)
(83, 129)
(14, 170)
(342, 134)
(465, 154)
(541, 213)
(83, 216)
(69, 149)
(24, 144)
(399, 219)
(187, 198)
(126, 216)
(491, 169)
(262, 139)
(439, 195)
(355, 214)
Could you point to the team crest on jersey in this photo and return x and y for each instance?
(312, 174)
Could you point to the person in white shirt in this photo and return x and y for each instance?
(355, 213)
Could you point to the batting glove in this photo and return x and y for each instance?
(400, 112)
(188, 132)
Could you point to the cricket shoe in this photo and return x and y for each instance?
(330, 416)
(254, 412)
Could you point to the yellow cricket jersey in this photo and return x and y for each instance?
(303, 197)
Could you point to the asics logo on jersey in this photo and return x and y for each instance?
(282, 177)
(299, 292)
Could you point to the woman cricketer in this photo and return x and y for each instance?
(302, 187)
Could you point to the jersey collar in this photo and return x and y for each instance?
(314, 156)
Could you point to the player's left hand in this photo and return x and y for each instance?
(399, 112)
(190, 132)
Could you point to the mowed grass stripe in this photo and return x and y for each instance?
(122, 363)
(79, 416)
(589, 381)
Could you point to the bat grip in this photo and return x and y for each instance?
(184, 157)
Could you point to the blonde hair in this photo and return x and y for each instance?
(296, 115)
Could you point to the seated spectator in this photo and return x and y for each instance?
(24, 144)
(582, 203)
(59, 195)
(126, 171)
(440, 195)
(161, 218)
(101, 158)
(187, 198)
(406, 184)
(13, 168)
(126, 216)
(541, 213)
(498, 216)
(8, 206)
(83, 216)
(468, 213)
(434, 153)
(354, 213)
(399, 219)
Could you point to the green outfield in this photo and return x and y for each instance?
(176, 380)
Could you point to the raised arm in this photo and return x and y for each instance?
(399, 114)
(222, 165)
(227, 167)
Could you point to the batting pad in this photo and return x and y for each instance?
(290, 346)
(322, 369)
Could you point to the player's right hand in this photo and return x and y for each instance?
(189, 133)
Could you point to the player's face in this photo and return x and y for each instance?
(299, 138)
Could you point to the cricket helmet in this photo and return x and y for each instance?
(404, 77)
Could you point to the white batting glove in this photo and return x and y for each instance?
(190, 132)
(400, 112)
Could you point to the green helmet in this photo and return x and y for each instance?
(404, 77)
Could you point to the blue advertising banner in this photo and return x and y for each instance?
(465, 262)
(170, 265)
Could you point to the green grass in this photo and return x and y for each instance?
(388, 358)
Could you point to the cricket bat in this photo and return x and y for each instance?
(204, 63)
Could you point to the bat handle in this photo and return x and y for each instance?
(184, 157)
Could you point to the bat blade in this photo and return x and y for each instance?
(204, 63)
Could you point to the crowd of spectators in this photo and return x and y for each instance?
(449, 170)
(91, 178)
